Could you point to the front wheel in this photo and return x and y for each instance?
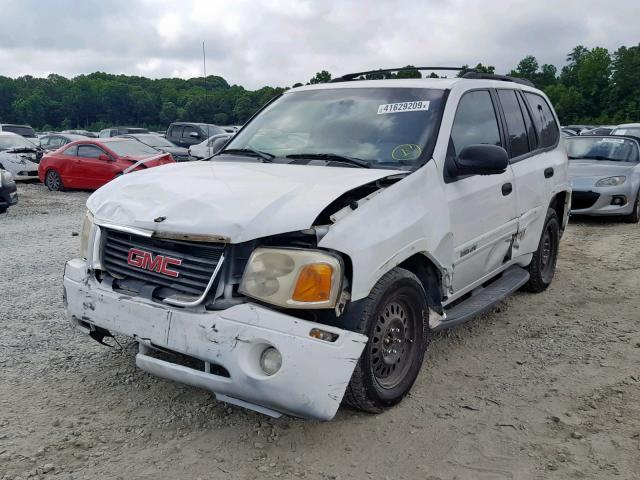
(395, 317)
(543, 264)
(53, 181)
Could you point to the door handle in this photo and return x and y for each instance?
(548, 172)
(507, 188)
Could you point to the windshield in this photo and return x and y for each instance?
(387, 127)
(133, 148)
(154, 140)
(633, 131)
(614, 149)
(9, 142)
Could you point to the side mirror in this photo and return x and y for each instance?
(104, 157)
(479, 160)
(194, 135)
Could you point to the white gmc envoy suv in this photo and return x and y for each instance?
(308, 263)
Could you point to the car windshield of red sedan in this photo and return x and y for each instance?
(131, 148)
(605, 148)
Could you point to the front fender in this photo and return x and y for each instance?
(406, 218)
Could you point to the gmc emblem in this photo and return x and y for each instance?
(159, 263)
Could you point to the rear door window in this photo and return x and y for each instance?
(175, 131)
(517, 131)
(475, 122)
(544, 120)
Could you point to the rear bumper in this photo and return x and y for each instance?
(310, 383)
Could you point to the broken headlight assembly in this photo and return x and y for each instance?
(293, 278)
(85, 234)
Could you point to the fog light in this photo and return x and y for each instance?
(270, 361)
(619, 200)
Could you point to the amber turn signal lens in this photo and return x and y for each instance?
(314, 283)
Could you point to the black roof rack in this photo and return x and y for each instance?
(470, 73)
(473, 74)
(353, 76)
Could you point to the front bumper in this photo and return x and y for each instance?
(310, 383)
(598, 201)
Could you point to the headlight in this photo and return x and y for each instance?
(292, 278)
(85, 234)
(610, 181)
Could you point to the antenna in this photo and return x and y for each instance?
(204, 72)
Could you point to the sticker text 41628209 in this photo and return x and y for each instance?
(401, 107)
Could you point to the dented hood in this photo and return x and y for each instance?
(240, 201)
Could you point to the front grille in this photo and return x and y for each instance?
(581, 200)
(199, 261)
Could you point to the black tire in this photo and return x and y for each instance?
(395, 318)
(543, 264)
(634, 216)
(53, 181)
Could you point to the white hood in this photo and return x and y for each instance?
(240, 201)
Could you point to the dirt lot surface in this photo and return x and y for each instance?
(544, 386)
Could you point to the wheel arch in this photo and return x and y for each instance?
(561, 203)
(430, 275)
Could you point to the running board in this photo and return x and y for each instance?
(483, 298)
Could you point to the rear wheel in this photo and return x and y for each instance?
(53, 181)
(543, 264)
(634, 216)
(395, 318)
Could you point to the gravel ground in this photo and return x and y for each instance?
(544, 386)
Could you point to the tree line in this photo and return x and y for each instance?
(594, 86)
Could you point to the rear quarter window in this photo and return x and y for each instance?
(545, 122)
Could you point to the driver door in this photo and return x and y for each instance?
(482, 208)
(93, 171)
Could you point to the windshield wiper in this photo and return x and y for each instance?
(265, 156)
(332, 157)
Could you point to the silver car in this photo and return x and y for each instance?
(605, 176)
(19, 156)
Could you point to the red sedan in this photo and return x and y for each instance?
(89, 164)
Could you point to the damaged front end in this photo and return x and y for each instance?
(255, 322)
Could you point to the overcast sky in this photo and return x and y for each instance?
(280, 42)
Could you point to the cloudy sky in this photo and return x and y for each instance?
(280, 42)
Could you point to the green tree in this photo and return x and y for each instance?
(321, 77)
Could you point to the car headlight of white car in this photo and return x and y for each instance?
(611, 181)
(293, 278)
(85, 234)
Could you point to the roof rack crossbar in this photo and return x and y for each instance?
(353, 76)
(473, 74)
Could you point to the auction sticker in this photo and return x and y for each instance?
(415, 106)
(612, 140)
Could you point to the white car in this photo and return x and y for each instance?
(209, 147)
(19, 156)
(310, 261)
